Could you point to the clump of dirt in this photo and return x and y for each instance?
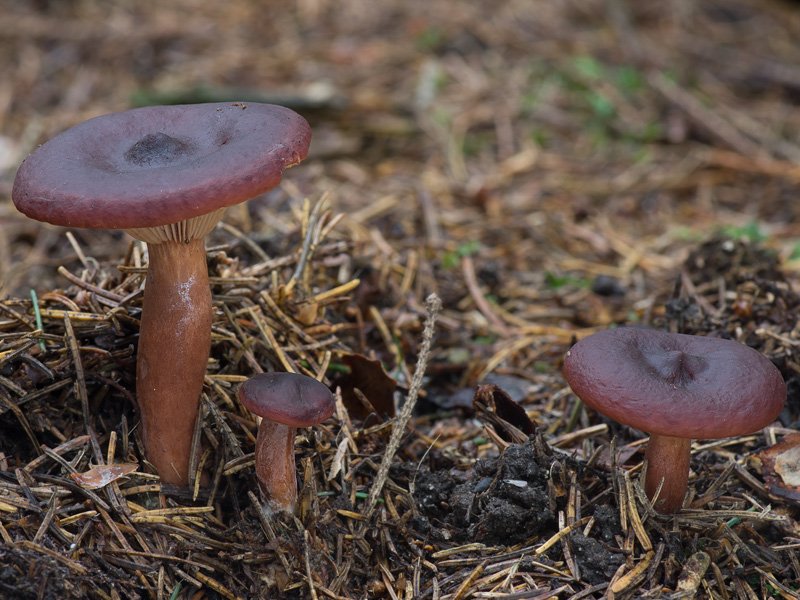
(596, 561)
(732, 260)
(432, 491)
(504, 500)
(509, 500)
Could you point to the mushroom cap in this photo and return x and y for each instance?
(288, 398)
(675, 385)
(152, 166)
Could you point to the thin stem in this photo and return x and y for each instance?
(174, 344)
(275, 466)
(433, 306)
(668, 460)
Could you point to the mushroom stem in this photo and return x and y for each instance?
(668, 459)
(174, 345)
(275, 467)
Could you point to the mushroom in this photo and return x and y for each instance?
(285, 401)
(164, 174)
(675, 387)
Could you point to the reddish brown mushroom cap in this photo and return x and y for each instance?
(675, 385)
(156, 165)
(287, 398)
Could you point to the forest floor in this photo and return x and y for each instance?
(546, 169)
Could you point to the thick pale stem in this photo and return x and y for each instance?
(174, 344)
(668, 459)
(275, 468)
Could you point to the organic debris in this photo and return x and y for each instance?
(779, 465)
(544, 169)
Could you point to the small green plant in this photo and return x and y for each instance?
(555, 281)
(601, 106)
(629, 79)
(682, 232)
(589, 67)
(598, 88)
(751, 232)
(475, 142)
(430, 38)
(541, 137)
(442, 116)
(795, 253)
(38, 317)
(452, 258)
(332, 367)
(365, 495)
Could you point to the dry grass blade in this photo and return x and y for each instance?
(433, 305)
(633, 577)
(562, 533)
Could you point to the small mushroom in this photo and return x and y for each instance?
(164, 174)
(285, 401)
(676, 388)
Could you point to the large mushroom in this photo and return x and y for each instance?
(164, 174)
(284, 401)
(676, 388)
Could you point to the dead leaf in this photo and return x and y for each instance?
(780, 467)
(508, 418)
(376, 386)
(102, 475)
